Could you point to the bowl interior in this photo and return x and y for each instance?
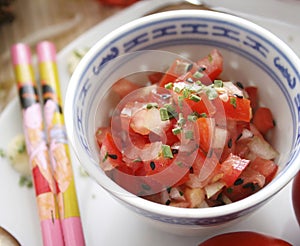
(252, 56)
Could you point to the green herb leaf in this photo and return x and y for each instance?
(189, 134)
(164, 114)
(211, 93)
(166, 151)
(218, 83)
(233, 101)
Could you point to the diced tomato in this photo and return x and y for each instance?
(204, 170)
(230, 160)
(238, 109)
(212, 64)
(110, 154)
(268, 168)
(156, 165)
(232, 167)
(124, 86)
(172, 73)
(253, 95)
(205, 127)
(101, 134)
(154, 78)
(263, 119)
(171, 138)
(249, 182)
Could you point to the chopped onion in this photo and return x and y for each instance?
(213, 188)
(220, 137)
(262, 148)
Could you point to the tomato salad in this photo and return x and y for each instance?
(189, 139)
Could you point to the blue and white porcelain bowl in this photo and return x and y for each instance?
(251, 54)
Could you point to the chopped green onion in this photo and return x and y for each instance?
(166, 151)
(152, 105)
(218, 83)
(105, 157)
(180, 101)
(176, 130)
(181, 120)
(169, 85)
(192, 118)
(180, 164)
(203, 115)
(198, 82)
(233, 101)
(186, 93)
(164, 114)
(177, 89)
(195, 98)
(211, 93)
(2, 153)
(25, 181)
(189, 134)
(198, 75)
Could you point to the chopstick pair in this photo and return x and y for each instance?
(46, 144)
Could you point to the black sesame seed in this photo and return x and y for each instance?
(249, 185)
(168, 202)
(175, 151)
(229, 144)
(239, 136)
(238, 96)
(169, 189)
(189, 67)
(112, 156)
(229, 190)
(165, 96)
(239, 181)
(152, 165)
(191, 170)
(201, 69)
(146, 187)
(239, 84)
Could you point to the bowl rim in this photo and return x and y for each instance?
(160, 209)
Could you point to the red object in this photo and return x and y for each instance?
(268, 168)
(245, 238)
(232, 167)
(253, 95)
(238, 109)
(296, 196)
(121, 3)
(213, 64)
(124, 86)
(263, 120)
(205, 127)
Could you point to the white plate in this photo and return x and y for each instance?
(104, 220)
